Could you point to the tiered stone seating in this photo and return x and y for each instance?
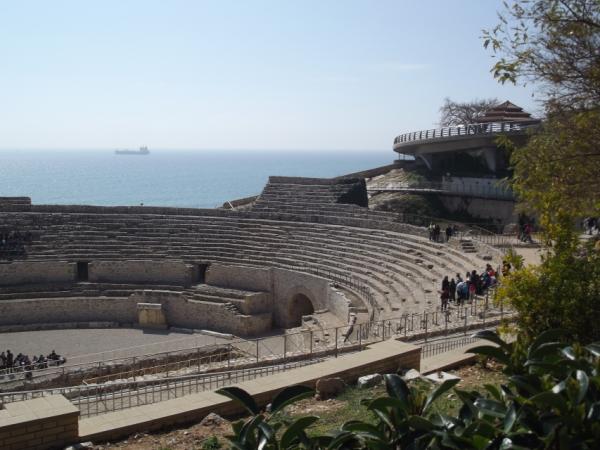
(295, 222)
(395, 266)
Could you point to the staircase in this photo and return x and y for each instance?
(467, 246)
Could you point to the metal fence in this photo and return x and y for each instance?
(435, 348)
(271, 355)
(98, 399)
(482, 191)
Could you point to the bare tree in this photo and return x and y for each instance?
(456, 113)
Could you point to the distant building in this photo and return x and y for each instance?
(469, 149)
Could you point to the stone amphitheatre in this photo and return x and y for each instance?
(302, 273)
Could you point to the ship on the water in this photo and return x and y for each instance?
(141, 151)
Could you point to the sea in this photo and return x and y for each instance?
(200, 179)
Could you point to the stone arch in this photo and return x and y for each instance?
(300, 305)
(299, 302)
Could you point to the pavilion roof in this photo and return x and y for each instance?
(506, 112)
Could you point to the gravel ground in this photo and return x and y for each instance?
(76, 343)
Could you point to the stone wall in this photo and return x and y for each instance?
(70, 309)
(25, 272)
(141, 271)
(284, 286)
(287, 285)
(239, 277)
(43, 423)
(184, 313)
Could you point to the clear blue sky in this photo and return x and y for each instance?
(237, 74)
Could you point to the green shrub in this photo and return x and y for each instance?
(551, 401)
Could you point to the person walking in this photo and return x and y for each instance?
(452, 291)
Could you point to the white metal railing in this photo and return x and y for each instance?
(465, 130)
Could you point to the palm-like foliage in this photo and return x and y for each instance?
(551, 401)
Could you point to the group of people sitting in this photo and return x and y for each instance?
(13, 242)
(10, 363)
(458, 289)
(435, 232)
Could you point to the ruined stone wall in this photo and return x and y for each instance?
(284, 286)
(26, 272)
(204, 315)
(141, 271)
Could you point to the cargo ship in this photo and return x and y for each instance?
(141, 151)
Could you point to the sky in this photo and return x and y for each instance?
(241, 74)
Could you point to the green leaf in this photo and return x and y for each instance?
(246, 436)
(494, 391)
(267, 434)
(551, 335)
(545, 349)
(492, 337)
(290, 395)
(594, 348)
(523, 382)
(584, 383)
(241, 396)
(420, 423)
(490, 407)
(448, 384)
(550, 399)
(340, 439)
(396, 387)
(493, 352)
(296, 429)
(509, 418)
(594, 412)
(569, 353)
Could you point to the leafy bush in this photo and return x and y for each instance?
(551, 401)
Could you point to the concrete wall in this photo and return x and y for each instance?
(141, 271)
(25, 272)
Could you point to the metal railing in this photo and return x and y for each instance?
(435, 348)
(473, 190)
(98, 399)
(465, 130)
(409, 326)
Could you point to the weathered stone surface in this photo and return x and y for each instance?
(369, 380)
(212, 420)
(411, 375)
(329, 387)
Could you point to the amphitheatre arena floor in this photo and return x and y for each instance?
(84, 345)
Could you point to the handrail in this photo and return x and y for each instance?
(486, 191)
(465, 130)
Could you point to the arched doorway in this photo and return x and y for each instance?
(300, 306)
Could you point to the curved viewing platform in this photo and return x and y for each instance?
(444, 134)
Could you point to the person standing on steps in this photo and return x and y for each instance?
(448, 233)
